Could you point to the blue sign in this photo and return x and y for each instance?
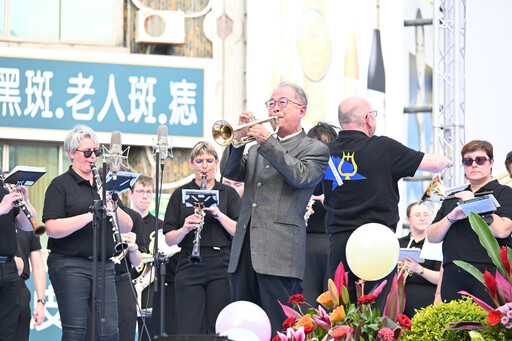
(53, 93)
(51, 328)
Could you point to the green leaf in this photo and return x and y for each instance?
(487, 240)
(471, 269)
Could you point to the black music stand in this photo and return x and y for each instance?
(205, 198)
(125, 181)
(24, 175)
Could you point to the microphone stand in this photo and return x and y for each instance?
(99, 222)
(160, 259)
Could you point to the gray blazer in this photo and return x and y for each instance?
(279, 180)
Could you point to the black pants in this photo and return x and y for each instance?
(456, 279)
(202, 291)
(23, 330)
(317, 266)
(263, 290)
(10, 300)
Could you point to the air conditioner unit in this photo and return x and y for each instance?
(165, 27)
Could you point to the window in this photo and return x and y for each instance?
(62, 21)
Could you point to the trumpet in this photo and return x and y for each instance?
(120, 245)
(39, 230)
(406, 272)
(224, 133)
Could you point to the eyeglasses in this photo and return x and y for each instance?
(88, 153)
(141, 191)
(370, 112)
(281, 103)
(480, 160)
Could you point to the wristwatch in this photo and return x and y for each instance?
(488, 219)
(42, 300)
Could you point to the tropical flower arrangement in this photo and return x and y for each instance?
(499, 319)
(336, 319)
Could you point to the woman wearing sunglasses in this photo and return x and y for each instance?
(69, 225)
(452, 227)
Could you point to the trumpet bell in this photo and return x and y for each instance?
(435, 191)
(223, 133)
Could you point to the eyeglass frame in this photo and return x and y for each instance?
(267, 105)
(371, 111)
(88, 153)
(143, 191)
(477, 160)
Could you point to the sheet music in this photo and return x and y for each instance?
(414, 253)
(479, 205)
(433, 251)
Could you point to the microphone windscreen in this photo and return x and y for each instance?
(162, 141)
(116, 150)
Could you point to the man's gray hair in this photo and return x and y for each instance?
(300, 94)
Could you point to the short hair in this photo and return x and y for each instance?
(145, 181)
(75, 137)
(324, 132)
(300, 94)
(508, 161)
(410, 206)
(355, 113)
(203, 147)
(477, 145)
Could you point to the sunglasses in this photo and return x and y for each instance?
(480, 160)
(88, 153)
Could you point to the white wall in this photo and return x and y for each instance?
(489, 76)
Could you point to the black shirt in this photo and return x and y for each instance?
(369, 168)
(213, 233)
(27, 242)
(70, 195)
(8, 229)
(138, 230)
(461, 242)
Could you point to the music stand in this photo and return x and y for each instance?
(125, 181)
(205, 198)
(25, 175)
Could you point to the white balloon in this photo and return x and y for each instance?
(244, 315)
(372, 251)
(240, 334)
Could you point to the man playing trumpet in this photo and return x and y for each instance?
(268, 251)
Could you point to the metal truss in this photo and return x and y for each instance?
(448, 102)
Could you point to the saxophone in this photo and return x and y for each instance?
(195, 257)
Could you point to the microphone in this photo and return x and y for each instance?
(116, 154)
(162, 143)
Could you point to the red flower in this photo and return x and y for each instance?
(494, 317)
(297, 299)
(339, 332)
(289, 322)
(504, 259)
(490, 283)
(367, 299)
(276, 338)
(404, 321)
(309, 329)
(386, 334)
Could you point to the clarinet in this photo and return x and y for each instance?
(120, 245)
(195, 257)
(39, 230)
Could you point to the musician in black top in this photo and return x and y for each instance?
(10, 286)
(452, 227)
(202, 289)
(68, 222)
